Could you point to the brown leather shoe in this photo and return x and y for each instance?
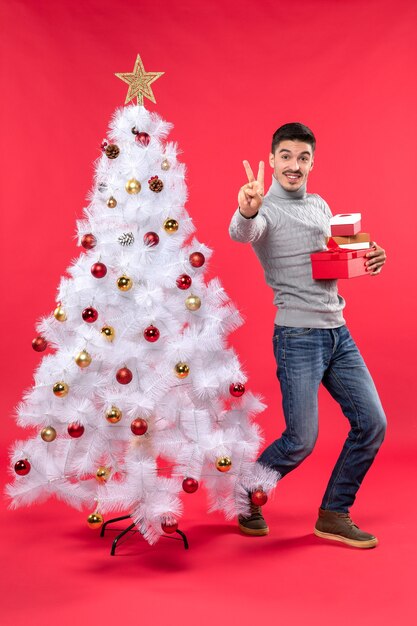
(339, 527)
(255, 524)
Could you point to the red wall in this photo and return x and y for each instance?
(234, 72)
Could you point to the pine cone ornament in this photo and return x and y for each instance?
(112, 151)
(126, 239)
(155, 184)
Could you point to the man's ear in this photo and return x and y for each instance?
(312, 164)
(271, 160)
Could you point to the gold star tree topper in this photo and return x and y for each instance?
(139, 82)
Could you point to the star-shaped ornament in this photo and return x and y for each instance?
(139, 82)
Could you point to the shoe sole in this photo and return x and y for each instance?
(370, 543)
(254, 532)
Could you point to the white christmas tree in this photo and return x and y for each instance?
(141, 398)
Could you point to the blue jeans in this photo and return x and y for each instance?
(307, 357)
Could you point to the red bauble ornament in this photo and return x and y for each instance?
(237, 389)
(39, 344)
(184, 281)
(259, 497)
(88, 241)
(169, 528)
(142, 138)
(197, 259)
(190, 485)
(98, 270)
(124, 376)
(151, 239)
(75, 430)
(139, 426)
(90, 315)
(151, 334)
(22, 467)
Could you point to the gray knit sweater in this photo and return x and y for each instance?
(288, 228)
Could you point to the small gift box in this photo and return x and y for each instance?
(345, 224)
(352, 239)
(338, 262)
(355, 246)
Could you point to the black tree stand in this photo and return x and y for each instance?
(130, 528)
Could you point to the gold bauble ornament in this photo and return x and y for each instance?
(171, 225)
(103, 474)
(95, 520)
(182, 370)
(59, 314)
(133, 186)
(108, 332)
(60, 389)
(124, 283)
(48, 433)
(113, 415)
(193, 303)
(223, 463)
(83, 359)
(165, 165)
(111, 202)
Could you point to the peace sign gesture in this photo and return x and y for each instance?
(251, 195)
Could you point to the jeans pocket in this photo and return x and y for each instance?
(295, 331)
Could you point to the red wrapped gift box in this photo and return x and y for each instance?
(345, 224)
(338, 262)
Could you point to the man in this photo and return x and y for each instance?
(312, 344)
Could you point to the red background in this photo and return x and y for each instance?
(234, 72)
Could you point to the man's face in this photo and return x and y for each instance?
(292, 163)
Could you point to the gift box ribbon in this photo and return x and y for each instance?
(335, 252)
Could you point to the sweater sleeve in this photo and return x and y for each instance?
(327, 209)
(247, 230)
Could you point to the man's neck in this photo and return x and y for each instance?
(278, 190)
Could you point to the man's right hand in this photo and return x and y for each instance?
(251, 195)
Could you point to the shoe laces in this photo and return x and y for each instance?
(255, 511)
(348, 519)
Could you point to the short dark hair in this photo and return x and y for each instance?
(294, 131)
